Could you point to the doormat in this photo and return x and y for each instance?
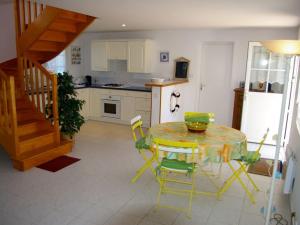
(58, 163)
(262, 167)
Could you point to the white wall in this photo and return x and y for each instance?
(188, 43)
(7, 32)
(294, 145)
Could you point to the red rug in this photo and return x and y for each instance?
(58, 163)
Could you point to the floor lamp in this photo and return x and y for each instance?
(287, 47)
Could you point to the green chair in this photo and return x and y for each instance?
(141, 146)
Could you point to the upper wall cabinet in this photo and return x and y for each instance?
(136, 52)
(117, 50)
(99, 50)
(139, 56)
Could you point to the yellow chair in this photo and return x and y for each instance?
(249, 159)
(178, 158)
(142, 147)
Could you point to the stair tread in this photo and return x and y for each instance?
(35, 135)
(26, 122)
(38, 151)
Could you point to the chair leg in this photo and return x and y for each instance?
(189, 214)
(237, 175)
(141, 171)
(247, 174)
(148, 164)
(161, 187)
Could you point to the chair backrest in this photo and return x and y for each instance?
(261, 143)
(136, 127)
(186, 148)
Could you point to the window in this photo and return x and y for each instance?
(58, 64)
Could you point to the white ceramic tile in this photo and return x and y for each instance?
(251, 219)
(123, 219)
(97, 189)
(225, 215)
(162, 216)
(97, 214)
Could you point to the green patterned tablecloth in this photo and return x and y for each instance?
(217, 143)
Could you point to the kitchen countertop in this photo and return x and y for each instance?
(166, 83)
(125, 88)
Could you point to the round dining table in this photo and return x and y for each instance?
(217, 144)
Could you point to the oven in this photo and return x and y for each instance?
(111, 106)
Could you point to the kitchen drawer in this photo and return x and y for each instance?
(138, 94)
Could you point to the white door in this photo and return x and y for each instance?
(99, 55)
(264, 88)
(136, 56)
(215, 81)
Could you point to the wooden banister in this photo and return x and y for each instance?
(8, 114)
(41, 89)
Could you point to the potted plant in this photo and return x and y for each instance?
(69, 106)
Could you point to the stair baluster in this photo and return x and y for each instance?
(41, 89)
(8, 116)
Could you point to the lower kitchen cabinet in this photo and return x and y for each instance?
(133, 103)
(83, 94)
(95, 103)
(127, 108)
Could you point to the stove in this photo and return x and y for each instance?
(115, 85)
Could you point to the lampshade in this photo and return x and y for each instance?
(289, 47)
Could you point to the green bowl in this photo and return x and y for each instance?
(196, 126)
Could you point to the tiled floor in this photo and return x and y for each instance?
(97, 190)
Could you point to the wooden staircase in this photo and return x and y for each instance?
(29, 126)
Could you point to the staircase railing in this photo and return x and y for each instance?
(26, 12)
(8, 115)
(41, 89)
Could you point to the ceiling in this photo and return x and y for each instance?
(184, 14)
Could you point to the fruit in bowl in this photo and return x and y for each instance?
(198, 122)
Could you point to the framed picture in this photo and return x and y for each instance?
(181, 67)
(164, 57)
(75, 55)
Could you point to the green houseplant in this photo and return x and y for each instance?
(69, 106)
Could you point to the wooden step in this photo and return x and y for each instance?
(42, 155)
(54, 36)
(46, 46)
(23, 103)
(36, 140)
(73, 16)
(64, 26)
(32, 126)
(26, 114)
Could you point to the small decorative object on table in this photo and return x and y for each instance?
(197, 121)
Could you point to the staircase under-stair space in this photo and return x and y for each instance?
(29, 128)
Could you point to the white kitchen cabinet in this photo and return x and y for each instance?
(95, 103)
(99, 55)
(139, 56)
(117, 50)
(84, 94)
(127, 108)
